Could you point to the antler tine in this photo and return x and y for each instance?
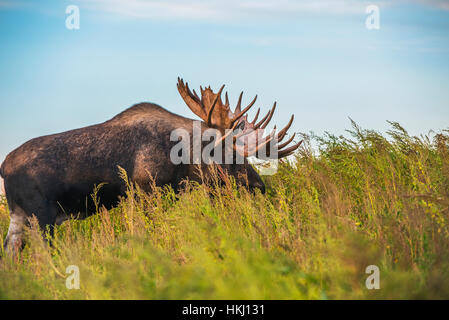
(180, 84)
(196, 96)
(258, 146)
(280, 136)
(199, 100)
(227, 99)
(193, 96)
(255, 118)
(236, 118)
(211, 110)
(195, 105)
(270, 117)
(283, 132)
(239, 104)
(264, 122)
(188, 89)
(289, 151)
(287, 142)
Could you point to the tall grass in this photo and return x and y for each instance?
(368, 200)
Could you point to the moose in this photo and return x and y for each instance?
(52, 177)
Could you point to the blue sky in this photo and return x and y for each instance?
(315, 57)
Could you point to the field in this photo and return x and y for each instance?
(370, 199)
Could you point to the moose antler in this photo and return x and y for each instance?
(210, 107)
(217, 115)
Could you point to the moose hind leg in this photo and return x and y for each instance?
(14, 238)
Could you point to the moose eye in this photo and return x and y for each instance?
(241, 126)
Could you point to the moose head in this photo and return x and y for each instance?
(246, 137)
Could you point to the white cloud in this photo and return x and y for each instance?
(439, 4)
(226, 10)
(154, 9)
(223, 10)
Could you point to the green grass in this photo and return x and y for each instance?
(365, 201)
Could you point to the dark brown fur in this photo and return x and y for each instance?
(53, 175)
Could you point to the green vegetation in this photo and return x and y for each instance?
(355, 202)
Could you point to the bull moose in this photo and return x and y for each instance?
(53, 175)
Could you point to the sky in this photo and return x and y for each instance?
(316, 58)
